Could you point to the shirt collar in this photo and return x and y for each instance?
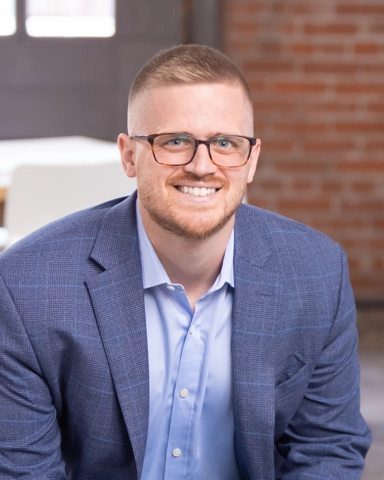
(153, 270)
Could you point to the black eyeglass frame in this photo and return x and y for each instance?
(151, 139)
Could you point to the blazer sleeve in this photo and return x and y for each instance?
(328, 438)
(29, 433)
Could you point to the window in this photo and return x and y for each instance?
(70, 18)
(7, 17)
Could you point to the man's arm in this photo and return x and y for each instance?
(29, 433)
(328, 438)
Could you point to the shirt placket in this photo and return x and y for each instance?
(184, 401)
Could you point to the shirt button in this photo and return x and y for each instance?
(171, 287)
(184, 393)
(192, 329)
(176, 452)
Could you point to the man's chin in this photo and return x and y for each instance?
(192, 227)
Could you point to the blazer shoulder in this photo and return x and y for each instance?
(63, 235)
(287, 241)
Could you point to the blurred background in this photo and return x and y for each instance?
(316, 71)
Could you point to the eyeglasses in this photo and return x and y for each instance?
(177, 149)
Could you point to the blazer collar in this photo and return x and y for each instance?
(117, 240)
(118, 301)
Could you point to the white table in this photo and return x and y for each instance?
(53, 151)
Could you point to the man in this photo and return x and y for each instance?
(178, 334)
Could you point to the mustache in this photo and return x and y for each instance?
(192, 177)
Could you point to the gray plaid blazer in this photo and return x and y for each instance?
(74, 380)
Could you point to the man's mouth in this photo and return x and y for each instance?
(198, 191)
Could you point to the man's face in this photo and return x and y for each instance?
(200, 110)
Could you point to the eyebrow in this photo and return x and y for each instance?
(217, 134)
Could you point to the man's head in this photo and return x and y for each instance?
(196, 91)
(185, 65)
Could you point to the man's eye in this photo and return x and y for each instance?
(223, 143)
(176, 142)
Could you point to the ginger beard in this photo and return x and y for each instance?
(191, 222)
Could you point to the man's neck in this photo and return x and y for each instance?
(195, 264)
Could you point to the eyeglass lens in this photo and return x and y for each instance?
(177, 149)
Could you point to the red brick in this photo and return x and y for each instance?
(331, 107)
(360, 88)
(361, 166)
(299, 87)
(378, 264)
(350, 223)
(354, 263)
(367, 205)
(359, 127)
(252, 199)
(372, 146)
(299, 167)
(367, 48)
(331, 48)
(329, 68)
(276, 146)
(261, 106)
(300, 127)
(378, 223)
(306, 204)
(245, 27)
(326, 146)
(375, 107)
(362, 187)
(372, 68)
(369, 286)
(336, 28)
(271, 184)
(361, 9)
(343, 68)
(263, 66)
(377, 28)
(302, 48)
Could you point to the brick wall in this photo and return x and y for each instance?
(316, 70)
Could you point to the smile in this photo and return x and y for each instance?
(198, 192)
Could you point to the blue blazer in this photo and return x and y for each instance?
(74, 384)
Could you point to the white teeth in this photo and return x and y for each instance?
(199, 192)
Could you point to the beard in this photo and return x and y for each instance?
(196, 222)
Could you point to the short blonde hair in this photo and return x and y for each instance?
(187, 64)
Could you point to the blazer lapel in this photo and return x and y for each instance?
(255, 309)
(118, 301)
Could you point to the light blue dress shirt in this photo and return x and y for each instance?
(191, 432)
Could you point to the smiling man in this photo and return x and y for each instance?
(179, 334)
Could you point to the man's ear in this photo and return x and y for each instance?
(127, 153)
(253, 161)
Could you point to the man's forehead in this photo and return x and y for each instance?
(164, 101)
(181, 88)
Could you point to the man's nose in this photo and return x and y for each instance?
(201, 164)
